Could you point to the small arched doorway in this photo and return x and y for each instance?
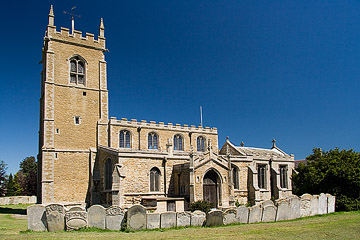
(211, 188)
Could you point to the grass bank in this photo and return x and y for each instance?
(343, 225)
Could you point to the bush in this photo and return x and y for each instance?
(201, 205)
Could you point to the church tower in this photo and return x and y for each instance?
(73, 112)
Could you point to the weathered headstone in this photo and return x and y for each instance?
(254, 214)
(229, 216)
(242, 214)
(314, 205)
(331, 203)
(114, 218)
(136, 217)
(76, 209)
(36, 218)
(168, 220)
(282, 209)
(322, 204)
(96, 216)
(55, 216)
(183, 219)
(152, 220)
(214, 218)
(75, 220)
(305, 201)
(198, 218)
(268, 213)
(266, 203)
(294, 207)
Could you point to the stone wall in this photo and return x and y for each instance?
(55, 217)
(17, 200)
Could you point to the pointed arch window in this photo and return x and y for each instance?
(152, 141)
(178, 142)
(108, 174)
(77, 70)
(155, 179)
(200, 142)
(235, 175)
(125, 139)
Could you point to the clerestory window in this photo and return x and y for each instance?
(200, 142)
(124, 141)
(152, 141)
(77, 70)
(178, 142)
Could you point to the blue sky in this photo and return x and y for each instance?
(287, 70)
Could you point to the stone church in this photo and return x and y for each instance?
(85, 157)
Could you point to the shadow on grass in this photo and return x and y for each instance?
(6, 210)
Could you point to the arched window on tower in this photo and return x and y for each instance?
(108, 174)
(152, 141)
(200, 142)
(77, 70)
(178, 142)
(124, 139)
(154, 179)
(235, 175)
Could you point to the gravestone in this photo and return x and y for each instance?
(2, 200)
(282, 209)
(294, 207)
(214, 218)
(153, 220)
(266, 203)
(183, 219)
(268, 213)
(76, 209)
(36, 218)
(305, 201)
(136, 217)
(55, 216)
(314, 205)
(254, 214)
(198, 218)
(75, 220)
(114, 218)
(242, 214)
(96, 216)
(229, 216)
(168, 220)
(322, 204)
(331, 203)
(33, 199)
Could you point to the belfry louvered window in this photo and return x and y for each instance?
(200, 142)
(152, 141)
(178, 142)
(124, 140)
(77, 70)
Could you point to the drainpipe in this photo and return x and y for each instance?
(139, 130)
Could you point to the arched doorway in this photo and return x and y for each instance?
(211, 188)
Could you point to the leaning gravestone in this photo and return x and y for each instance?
(294, 207)
(168, 220)
(314, 205)
(254, 214)
(268, 213)
(282, 209)
(75, 220)
(136, 217)
(305, 201)
(214, 218)
(198, 218)
(229, 216)
(114, 218)
(331, 203)
(153, 220)
(55, 216)
(322, 204)
(36, 218)
(96, 216)
(183, 219)
(242, 214)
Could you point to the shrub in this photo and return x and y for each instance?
(201, 205)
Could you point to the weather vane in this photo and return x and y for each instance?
(72, 18)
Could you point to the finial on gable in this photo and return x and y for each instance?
(102, 28)
(242, 144)
(51, 16)
(227, 138)
(274, 145)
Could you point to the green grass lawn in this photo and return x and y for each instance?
(343, 225)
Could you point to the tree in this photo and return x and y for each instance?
(26, 176)
(2, 178)
(336, 172)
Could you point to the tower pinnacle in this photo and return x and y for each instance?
(101, 28)
(51, 16)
